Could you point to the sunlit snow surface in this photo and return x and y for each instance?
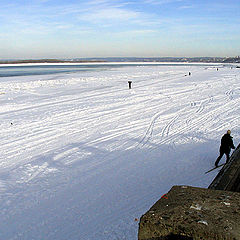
(82, 155)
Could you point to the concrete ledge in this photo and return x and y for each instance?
(193, 213)
(228, 178)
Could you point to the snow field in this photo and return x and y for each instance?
(85, 156)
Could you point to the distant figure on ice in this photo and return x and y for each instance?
(129, 84)
(225, 148)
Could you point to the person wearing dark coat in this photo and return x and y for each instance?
(225, 148)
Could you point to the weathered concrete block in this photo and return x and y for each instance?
(193, 213)
(228, 178)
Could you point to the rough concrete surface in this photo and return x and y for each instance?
(193, 213)
(228, 178)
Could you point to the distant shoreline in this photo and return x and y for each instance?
(126, 59)
(46, 61)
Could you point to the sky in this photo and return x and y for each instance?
(119, 28)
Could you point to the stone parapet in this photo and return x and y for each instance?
(193, 213)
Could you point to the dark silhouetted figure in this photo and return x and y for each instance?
(225, 148)
(129, 84)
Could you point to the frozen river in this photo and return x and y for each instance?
(82, 155)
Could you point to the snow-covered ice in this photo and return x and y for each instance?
(83, 156)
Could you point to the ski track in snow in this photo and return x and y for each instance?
(149, 131)
(83, 155)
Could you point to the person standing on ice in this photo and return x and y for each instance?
(225, 148)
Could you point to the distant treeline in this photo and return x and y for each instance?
(168, 59)
(232, 60)
(44, 61)
(129, 59)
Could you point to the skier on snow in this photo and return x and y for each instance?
(225, 148)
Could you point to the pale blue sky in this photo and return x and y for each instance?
(108, 28)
